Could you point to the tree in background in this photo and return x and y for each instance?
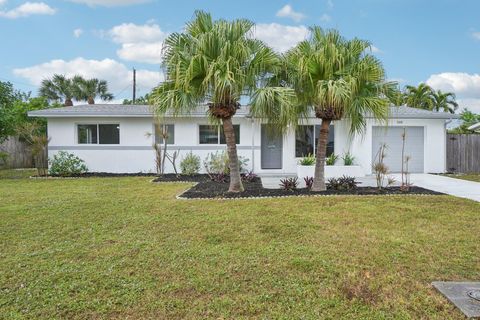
(444, 101)
(213, 62)
(8, 98)
(424, 97)
(468, 119)
(58, 89)
(138, 101)
(89, 89)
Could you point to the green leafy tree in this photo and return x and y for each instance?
(468, 119)
(58, 89)
(143, 100)
(333, 78)
(89, 89)
(421, 97)
(215, 62)
(444, 101)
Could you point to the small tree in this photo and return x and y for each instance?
(33, 134)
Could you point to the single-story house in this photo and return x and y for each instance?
(118, 138)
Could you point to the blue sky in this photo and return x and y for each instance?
(433, 41)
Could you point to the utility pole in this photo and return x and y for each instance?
(134, 85)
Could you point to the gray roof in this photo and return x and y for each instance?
(120, 110)
(115, 110)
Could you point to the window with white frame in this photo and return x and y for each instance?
(98, 133)
(306, 140)
(215, 135)
(162, 130)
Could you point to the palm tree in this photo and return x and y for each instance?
(421, 97)
(58, 88)
(215, 62)
(444, 101)
(89, 89)
(336, 78)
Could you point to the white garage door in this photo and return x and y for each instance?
(392, 136)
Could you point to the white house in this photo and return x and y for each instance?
(115, 138)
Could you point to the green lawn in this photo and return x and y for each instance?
(465, 176)
(126, 248)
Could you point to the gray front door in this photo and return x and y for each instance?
(272, 149)
(392, 137)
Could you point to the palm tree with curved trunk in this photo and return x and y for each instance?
(420, 97)
(335, 78)
(89, 89)
(59, 89)
(445, 101)
(214, 62)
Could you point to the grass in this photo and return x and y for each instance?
(17, 173)
(126, 248)
(465, 176)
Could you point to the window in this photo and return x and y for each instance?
(215, 135)
(170, 131)
(306, 140)
(98, 133)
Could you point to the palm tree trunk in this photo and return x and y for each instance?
(319, 178)
(68, 102)
(235, 180)
(91, 100)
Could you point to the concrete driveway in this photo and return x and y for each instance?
(455, 187)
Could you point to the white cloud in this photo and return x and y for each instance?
(140, 43)
(27, 9)
(330, 4)
(109, 3)
(288, 12)
(325, 18)
(375, 49)
(119, 77)
(77, 32)
(476, 35)
(466, 86)
(2, 2)
(280, 37)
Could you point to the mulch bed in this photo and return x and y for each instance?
(208, 189)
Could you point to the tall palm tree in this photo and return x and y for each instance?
(421, 97)
(335, 78)
(89, 89)
(59, 89)
(444, 101)
(215, 62)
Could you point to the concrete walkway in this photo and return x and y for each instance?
(455, 187)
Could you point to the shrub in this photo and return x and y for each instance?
(342, 183)
(331, 159)
(190, 165)
(218, 164)
(248, 176)
(308, 182)
(65, 164)
(3, 158)
(289, 184)
(348, 159)
(309, 160)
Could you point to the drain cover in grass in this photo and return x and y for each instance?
(464, 295)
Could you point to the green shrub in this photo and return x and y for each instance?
(65, 164)
(348, 159)
(190, 165)
(309, 160)
(218, 163)
(331, 159)
(342, 183)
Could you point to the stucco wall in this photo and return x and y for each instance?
(135, 153)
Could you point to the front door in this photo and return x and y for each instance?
(272, 149)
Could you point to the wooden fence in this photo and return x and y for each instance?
(463, 153)
(19, 154)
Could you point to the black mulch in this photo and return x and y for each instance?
(207, 189)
